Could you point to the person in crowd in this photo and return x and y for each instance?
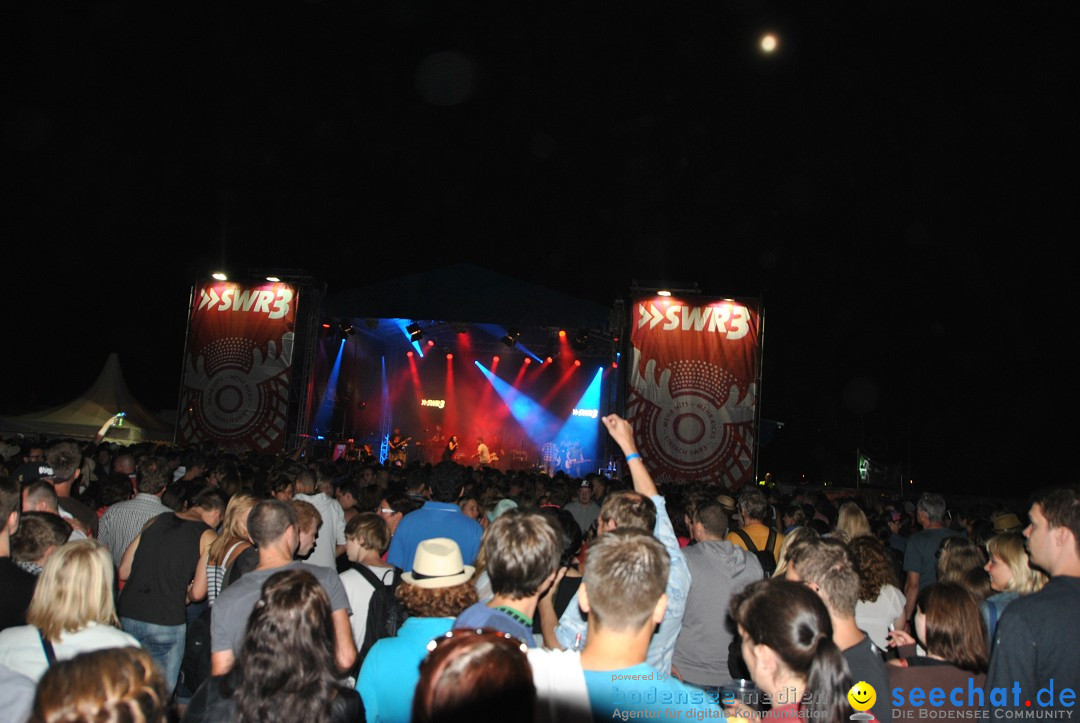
(290, 623)
(40, 535)
(852, 522)
(920, 553)
(623, 593)
(439, 517)
(330, 541)
(213, 568)
(957, 557)
(788, 646)
(115, 684)
(71, 612)
(643, 508)
(282, 487)
(1036, 637)
(158, 569)
(274, 530)
(791, 540)
(718, 570)
(393, 509)
(17, 584)
(309, 521)
(584, 508)
(570, 567)
(435, 591)
(1010, 575)
(826, 567)
(469, 673)
(366, 539)
(522, 551)
(753, 513)
(40, 497)
(65, 462)
(792, 516)
(470, 507)
(347, 494)
(881, 602)
(123, 521)
(950, 630)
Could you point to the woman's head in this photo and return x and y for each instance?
(1009, 568)
(290, 622)
(957, 556)
(470, 506)
(115, 684)
(787, 638)
(469, 673)
(795, 538)
(74, 589)
(875, 568)
(950, 626)
(233, 524)
(852, 521)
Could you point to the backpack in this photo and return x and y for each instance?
(765, 557)
(385, 614)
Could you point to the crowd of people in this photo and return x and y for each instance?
(154, 583)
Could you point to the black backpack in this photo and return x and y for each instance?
(385, 614)
(765, 557)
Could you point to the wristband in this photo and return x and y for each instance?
(632, 456)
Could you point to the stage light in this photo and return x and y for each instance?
(562, 333)
(432, 343)
(528, 360)
(408, 354)
(508, 341)
(414, 332)
(449, 356)
(495, 359)
(663, 292)
(615, 365)
(769, 42)
(349, 329)
(219, 276)
(548, 360)
(326, 325)
(577, 362)
(581, 339)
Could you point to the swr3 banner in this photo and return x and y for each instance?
(693, 387)
(237, 366)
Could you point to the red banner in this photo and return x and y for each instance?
(237, 366)
(693, 388)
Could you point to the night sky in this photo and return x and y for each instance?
(895, 181)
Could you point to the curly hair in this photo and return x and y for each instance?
(103, 686)
(875, 568)
(443, 602)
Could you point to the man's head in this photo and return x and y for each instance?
(153, 476)
(447, 482)
(270, 522)
(753, 507)
(308, 520)
(64, 458)
(710, 522)
(627, 509)
(1053, 536)
(124, 463)
(827, 567)
(210, 505)
(194, 463)
(40, 496)
(930, 509)
(366, 532)
(584, 493)
(33, 453)
(624, 582)
(522, 551)
(40, 533)
(305, 482)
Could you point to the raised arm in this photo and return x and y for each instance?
(623, 434)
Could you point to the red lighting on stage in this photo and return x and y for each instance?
(562, 333)
(431, 343)
(449, 357)
(408, 354)
(615, 365)
(528, 360)
(548, 360)
(326, 326)
(495, 359)
(577, 362)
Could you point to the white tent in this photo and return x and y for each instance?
(83, 417)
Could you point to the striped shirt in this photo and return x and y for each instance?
(123, 522)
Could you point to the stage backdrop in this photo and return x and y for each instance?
(237, 365)
(692, 394)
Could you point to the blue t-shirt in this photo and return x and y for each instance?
(434, 519)
(641, 688)
(482, 616)
(391, 670)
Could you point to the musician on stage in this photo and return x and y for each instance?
(482, 454)
(451, 449)
(549, 457)
(397, 444)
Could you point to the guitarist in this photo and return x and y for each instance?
(397, 445)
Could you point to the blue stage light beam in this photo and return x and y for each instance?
(540, 424)
(325, 414)
(499, 332)
(401, 324)
(386, 417)
(583, 424)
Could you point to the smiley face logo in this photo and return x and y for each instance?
(862, 696)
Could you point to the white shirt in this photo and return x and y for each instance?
(874, 617)
(561, 693)
(331, 532)
(20, 647)
(359, 590)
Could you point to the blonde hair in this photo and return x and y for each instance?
(1009, 548)
(114, 685)
(851, 520)
(233, 526)
(798, 536)
(74, 589)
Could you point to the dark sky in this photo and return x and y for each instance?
(896, 182)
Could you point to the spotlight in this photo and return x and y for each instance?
(219, 276)
(449, 356)
(409, 354)
(414, 332)
(548, 360)
(430, 342)
(512, 335)
(508, 341)
(581, 339)
(577, 362)
(348, 330)
(495, 359)
(528, 360)
(562, 333)
(326, 325)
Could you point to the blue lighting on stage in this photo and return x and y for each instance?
(540, 424)
(325, 414)
(401, 324)
(583, 425)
